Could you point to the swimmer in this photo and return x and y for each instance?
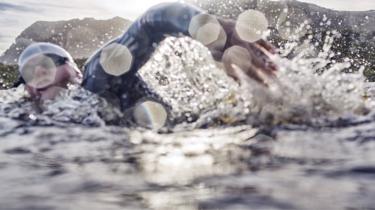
(111, 72)
(46, 69)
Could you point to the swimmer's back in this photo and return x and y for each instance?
(112, 70)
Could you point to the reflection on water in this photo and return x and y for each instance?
(234, 168)
(181, 157)
(67, 156)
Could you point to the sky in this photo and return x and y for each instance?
(16, 15)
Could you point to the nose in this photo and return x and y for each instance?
(40, 71)
(43, 77)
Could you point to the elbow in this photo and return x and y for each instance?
(171, 17)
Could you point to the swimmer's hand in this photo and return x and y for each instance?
(254, 59)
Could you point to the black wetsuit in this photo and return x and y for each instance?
(168, 19)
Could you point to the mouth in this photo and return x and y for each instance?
(43, 84)
(44, 88)
(50, 92)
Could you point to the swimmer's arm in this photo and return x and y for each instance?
(256, 63)
(170, 19)
(173, 19)
(160, 21)
(252, 58)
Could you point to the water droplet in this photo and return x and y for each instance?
(208, 33)
(150, 114)
(206, 29)
(39, 71)
(116, 59)
(251, 25)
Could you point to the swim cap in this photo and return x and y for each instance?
(47, 55)
(41, 48)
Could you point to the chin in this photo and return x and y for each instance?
(51, 93)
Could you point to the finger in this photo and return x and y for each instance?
(255, 74)
(264, 57)
(266, 64)
(247, 61)
(272, 66)
(261, 61)
(251, 73)
(266, 45)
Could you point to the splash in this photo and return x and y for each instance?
(184, 74)
(307, 87)
(73, 106)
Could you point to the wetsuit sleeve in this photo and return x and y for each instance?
(167, 19)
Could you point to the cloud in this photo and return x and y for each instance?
(17, 15)
(8, 6)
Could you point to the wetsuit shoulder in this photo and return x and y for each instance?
(112, 70)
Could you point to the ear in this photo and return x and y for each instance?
(75, 75)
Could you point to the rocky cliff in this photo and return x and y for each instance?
(78, 36)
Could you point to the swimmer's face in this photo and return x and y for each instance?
(47, 80)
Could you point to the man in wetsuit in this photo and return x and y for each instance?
(112, 71)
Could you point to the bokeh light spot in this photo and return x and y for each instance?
(208, 33)
(251, 25)
(116, 59)
(206, 29)
(150, 114)
(39, 71)
(238, 56)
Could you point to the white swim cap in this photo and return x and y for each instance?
(38, 63)
(41, 48)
